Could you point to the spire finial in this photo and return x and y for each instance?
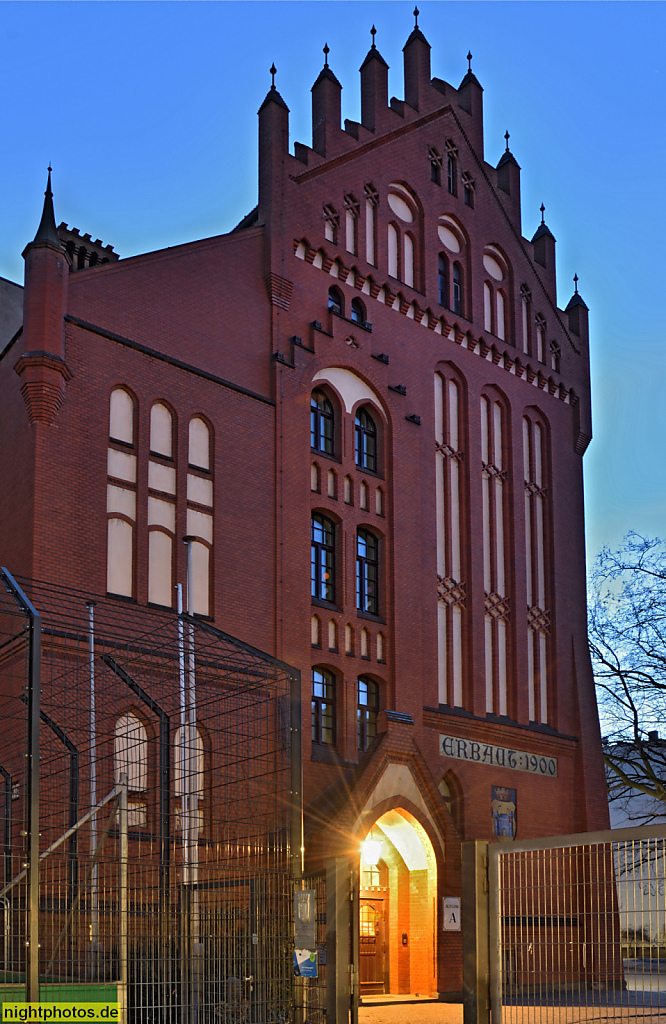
(273, 73)
(576, 283)
(47, 231)
(469, 60)
(507, 137)
(416, 17)
(543, 210)
(326, 53)
(373, 33)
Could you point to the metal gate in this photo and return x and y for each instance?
(192, 924)
(577, 927)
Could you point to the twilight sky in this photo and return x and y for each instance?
(147, 111)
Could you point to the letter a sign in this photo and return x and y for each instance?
(451, 913)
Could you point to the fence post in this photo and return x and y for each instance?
(338, 906)
(476, 979)
(122, 895)
(32, 785)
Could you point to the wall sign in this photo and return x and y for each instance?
(451, 913)
(497, 757)
(304, 918)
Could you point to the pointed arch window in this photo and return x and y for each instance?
(336, 303)
(537, 567)
(451, 167)
(443, 279)
(322, 423)
(323, 706)
(352, 209)
(367, 572)
(322, 558)
(402, 239)
(371, 203)
(130, 752)
(365, 441)
(188, 762)
(161, 507)
(358, 312)
(200, 497)
(121, 494)
(451, 588)
(494, 445)
(367, 709)
(458, 289)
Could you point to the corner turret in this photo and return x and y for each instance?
(577, 313)
(42, 367)
(508, 180)
(273, 149)
(470, 99)
(544, 254)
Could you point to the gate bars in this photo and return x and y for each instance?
(216, 785)
(577, 927)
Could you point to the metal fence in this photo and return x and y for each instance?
(195, 923)
(577, 927)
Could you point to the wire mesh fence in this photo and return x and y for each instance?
(201, 727)
(578, 928)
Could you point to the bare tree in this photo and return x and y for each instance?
(627, 631)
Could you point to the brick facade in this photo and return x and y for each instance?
(239, 330)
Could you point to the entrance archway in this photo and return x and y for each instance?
(397, 904)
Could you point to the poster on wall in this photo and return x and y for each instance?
(503, 810)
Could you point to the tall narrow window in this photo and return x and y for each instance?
(451, 167)
(121, 494)
(408, 261)
(331, 223)
(538, 615)
(200, 512)
(487, 307)
(403, 239)
(393, 251)
(525, 307)
(365, 441)
(443, 279)
(366, 711)
(322, 558)
(371, 201)
(161, 507)
(188, 775)
(367, 572)
(131, 752)
(468, 189)
(450, 586)
(458, 289)
(495, 508)
(540, 338)
(323, 706)
(322, 422)
(351, 223)
(501, 324)
(555, 354)
(435, 165)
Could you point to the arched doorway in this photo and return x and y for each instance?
(397, 904)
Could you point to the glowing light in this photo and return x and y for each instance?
(371, 851)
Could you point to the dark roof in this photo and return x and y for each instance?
(326, 73)
(542, 230)
(47, 230)
(273, 96)
(507, 157)
(576, 300)
(470, 77)
(373, 54)
(416, 34)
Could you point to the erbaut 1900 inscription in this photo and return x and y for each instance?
(497, 757)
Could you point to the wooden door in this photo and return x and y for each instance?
(372, 944)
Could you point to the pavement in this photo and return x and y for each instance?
(411, 1013)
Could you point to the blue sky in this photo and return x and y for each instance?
(147, 111)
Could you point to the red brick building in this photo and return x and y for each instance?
(372, 370)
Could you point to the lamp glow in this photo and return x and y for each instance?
(371, 850)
